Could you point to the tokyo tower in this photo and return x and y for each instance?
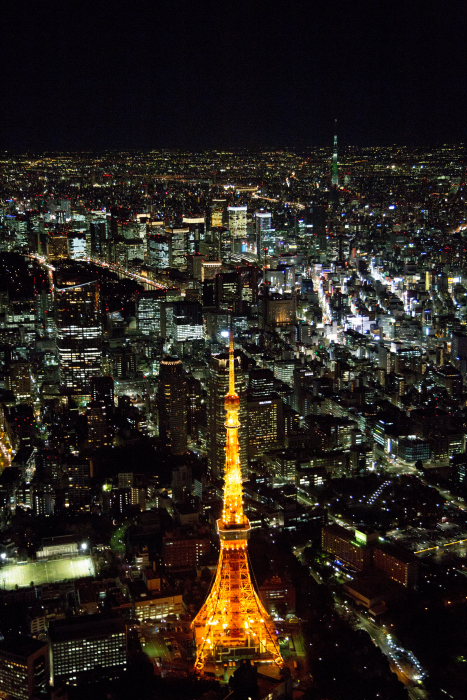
(233, 622)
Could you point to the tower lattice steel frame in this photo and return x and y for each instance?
(233, 622)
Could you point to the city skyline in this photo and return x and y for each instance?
(125, 509)
(233, 350)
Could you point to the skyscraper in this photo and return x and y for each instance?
(79, 332)
(172, 403)
(178, 247)
(217, 212)
(196, 232)
(149, 312)
(187, 321)
(265, 424)
(263, 224)
(233, 622)
(238, 221)
(102, 389)
(318, 224)
(100, 432)
(99, 239)
(57, 245)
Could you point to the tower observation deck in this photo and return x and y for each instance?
(233, 622)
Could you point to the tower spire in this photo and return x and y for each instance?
(231, 364)
(335, 162)
(233, 622)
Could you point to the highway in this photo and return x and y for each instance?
(297, 205)
(129, 274)
(114, 267)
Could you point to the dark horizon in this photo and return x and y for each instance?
(170, 75)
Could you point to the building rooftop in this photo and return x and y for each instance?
(20, 647)
(84, 626)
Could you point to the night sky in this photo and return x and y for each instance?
(81, 75)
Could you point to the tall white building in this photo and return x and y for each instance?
(263, 224)
(237, 221)
(187, 322)
(79, 332)
(149, 312)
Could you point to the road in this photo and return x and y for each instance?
(395, 466)
(6, 452)
(129, 274)
(114, 267)
(402, 661)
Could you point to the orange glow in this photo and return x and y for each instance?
(233, 621)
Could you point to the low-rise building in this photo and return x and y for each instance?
(85, 648)
(340, 542)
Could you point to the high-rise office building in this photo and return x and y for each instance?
(99, 239)
(100, 431)
(263, 224)
(217, 212)
(178, 247)
(218, 380)
(238, 221)
(278, 309)
(262, 382)
(57, 245)
(318, 226)
(79, 332)
(172, 404)
(86, 649)
(159, 250)
(102, 389)
(182, 553)
(187, 321)
(20, 380)
(196, 232)
(265, 424)
(227, 290)
(148, 312)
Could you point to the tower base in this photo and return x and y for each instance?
(233, 623)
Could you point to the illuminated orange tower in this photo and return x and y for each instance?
(233, 622)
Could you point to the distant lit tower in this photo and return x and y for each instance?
(233, 622)
(335, 163)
